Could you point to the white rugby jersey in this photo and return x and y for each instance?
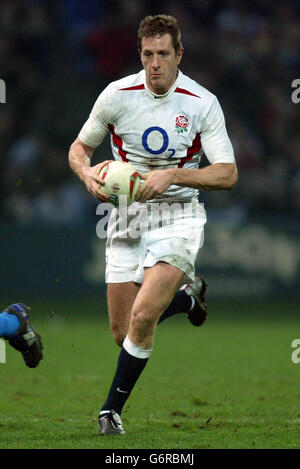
(160, 131)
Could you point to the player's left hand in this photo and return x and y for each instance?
(155, 183)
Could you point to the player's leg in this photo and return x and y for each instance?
(121, 273)
(120, 299)
(160, 284)
(17, 328)
(181, 240)
(190, 299)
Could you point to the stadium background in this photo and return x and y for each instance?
(241, 387)
(56, 56)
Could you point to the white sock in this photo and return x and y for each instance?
(135, 350)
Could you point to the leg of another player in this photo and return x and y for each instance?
(120, 299)
(9, 324)
(160, 284)
(16, 326)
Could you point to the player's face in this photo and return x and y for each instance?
(160, 62)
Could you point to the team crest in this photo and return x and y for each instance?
(181, 124)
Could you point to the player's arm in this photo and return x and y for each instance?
(80, 156)
(89, 138)
(214, 177)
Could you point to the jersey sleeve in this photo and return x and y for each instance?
(214, 138)
(96, 127)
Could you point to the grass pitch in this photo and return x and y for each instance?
(228, 384)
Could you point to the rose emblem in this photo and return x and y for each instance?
(182, 123)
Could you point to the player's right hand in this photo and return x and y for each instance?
(94, 182)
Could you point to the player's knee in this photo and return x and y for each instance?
(143, 320)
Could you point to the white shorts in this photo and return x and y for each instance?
(145, 234)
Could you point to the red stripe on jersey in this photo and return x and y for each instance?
(137, 87)
(183, 91)
(195, 148)
(118, 142)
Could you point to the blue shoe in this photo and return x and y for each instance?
(26, 340)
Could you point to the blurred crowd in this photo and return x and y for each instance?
(57, 55)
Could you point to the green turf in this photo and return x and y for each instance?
(230, 384)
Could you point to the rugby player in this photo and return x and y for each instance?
(161, 121)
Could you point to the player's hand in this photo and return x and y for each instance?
(94, 182)
(155, 183)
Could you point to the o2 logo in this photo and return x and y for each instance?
(165, 142)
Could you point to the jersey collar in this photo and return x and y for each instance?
(162, 97)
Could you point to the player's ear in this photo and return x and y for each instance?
(179, 56)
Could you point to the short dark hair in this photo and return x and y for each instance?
(158, 25)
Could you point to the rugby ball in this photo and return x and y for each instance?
(120, 179)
